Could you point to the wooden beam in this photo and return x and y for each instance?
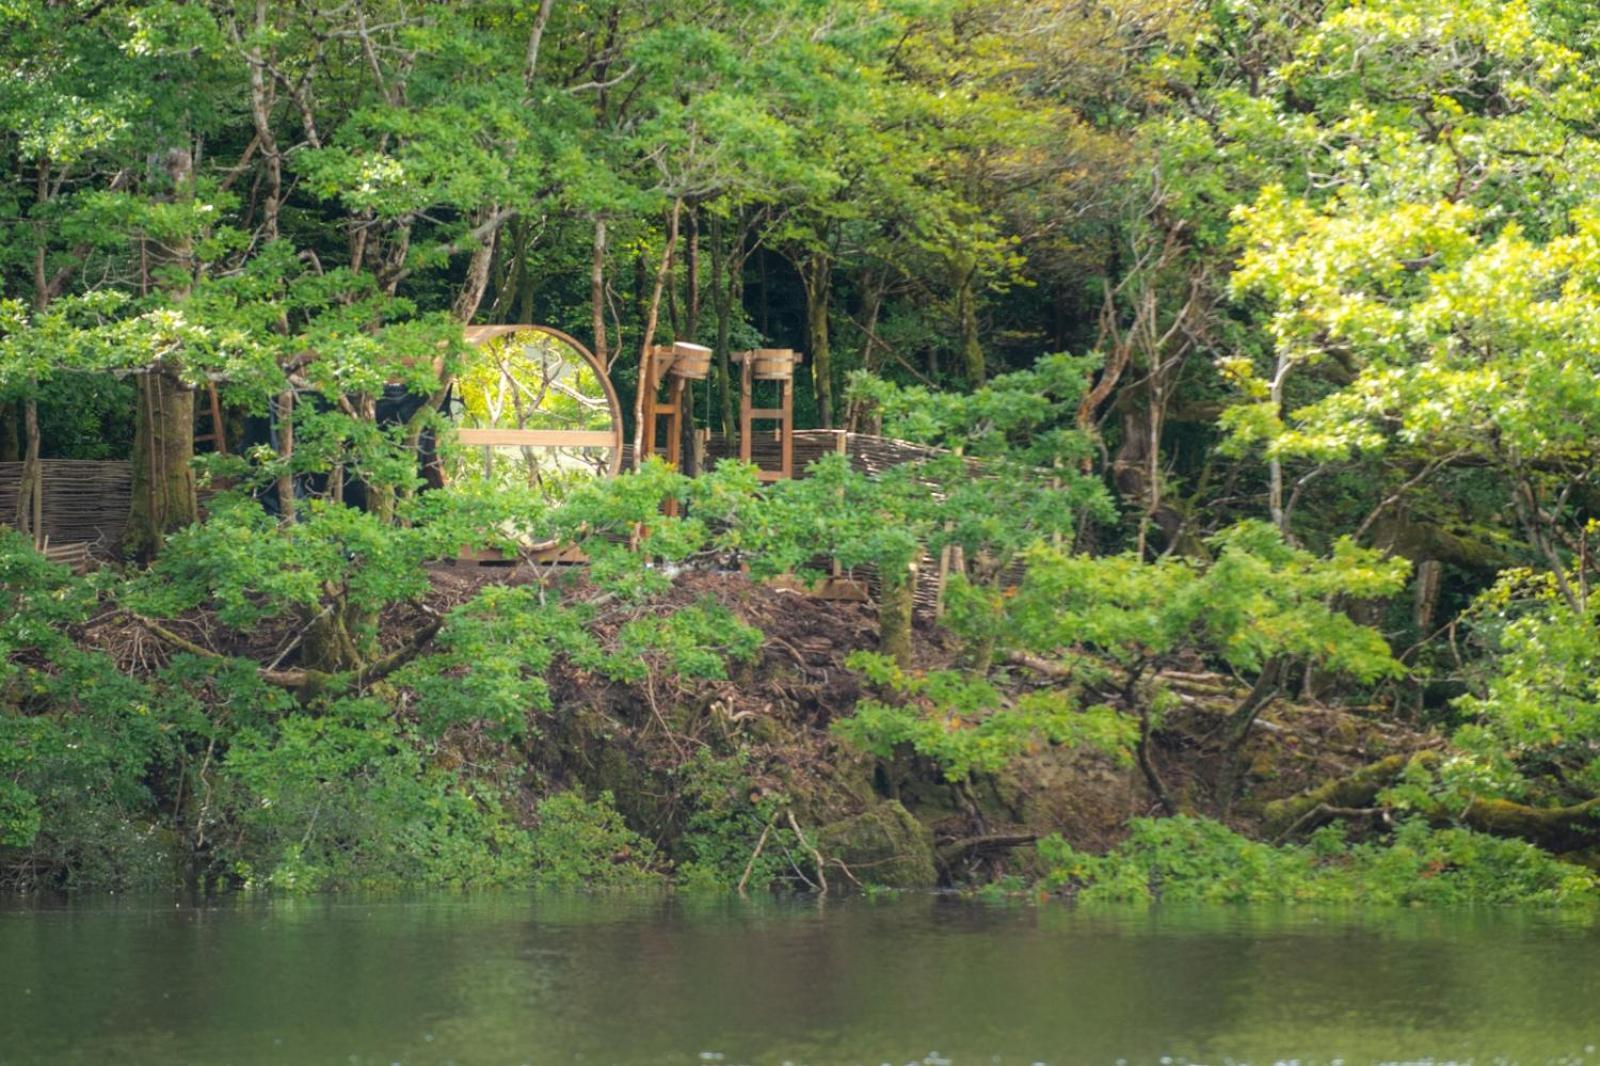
(539, 438)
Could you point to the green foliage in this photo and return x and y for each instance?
(1028, 416)
(726, 821)
(343, 799)
(618, 524)
(1258, 600)
(692, 642)
(838, 512)
(38, 600)
(1010, 473)
(78, 738)
(579, 844)
(965, 726)
(247, 568)
(493, 654)
(1363, 232)
(1533, 717)
(1185, 859)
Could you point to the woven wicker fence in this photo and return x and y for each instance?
(85, 502)
(868, 454)
(82, 501)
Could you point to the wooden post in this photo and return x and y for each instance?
(39, 538)
(776, 365)
(944, 575)
(217, 437)
(675, 425)
(745, 390)
(786, 429)
(647, 407)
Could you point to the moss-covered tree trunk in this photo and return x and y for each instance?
(972, 357)
(816, 274)
(896, 604)
(1569, 828)
(164, 497)
(30, 485)
(333, 640)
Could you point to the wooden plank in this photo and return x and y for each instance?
(766, 412)
(539, 438)
(826, 588)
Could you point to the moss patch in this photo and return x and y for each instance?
(883, 845)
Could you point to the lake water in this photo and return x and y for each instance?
(919, 979)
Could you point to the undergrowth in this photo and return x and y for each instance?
(1186, 859)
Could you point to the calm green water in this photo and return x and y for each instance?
(507, 979)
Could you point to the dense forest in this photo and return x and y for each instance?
(1250, 347)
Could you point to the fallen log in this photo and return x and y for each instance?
(968, 848)
(1568, 828)
(1358, 790)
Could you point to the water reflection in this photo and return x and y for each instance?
(681, 980)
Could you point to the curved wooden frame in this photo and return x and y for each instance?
(552, 438)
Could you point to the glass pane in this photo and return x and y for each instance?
(535, 380)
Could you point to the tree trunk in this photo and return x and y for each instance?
(1425, 605)
(331, 645)
(764, 308)
(1275, 508)
(597, 292)
(476, 283)
(896, 604)
(164, 497)
(261, 101)
(1136, 467)
(285, 481)
(691, 263)
(1574, 827)
(972, 359)
(1237, 730)
(652, 315)
(727, 297)
(28, 488)
(722, 310)
(641, 285)
(816, 275)
(873, 285)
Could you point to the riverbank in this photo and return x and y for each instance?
(560, 736)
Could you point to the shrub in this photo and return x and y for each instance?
(586, 845)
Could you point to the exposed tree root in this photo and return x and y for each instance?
(306, 683)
